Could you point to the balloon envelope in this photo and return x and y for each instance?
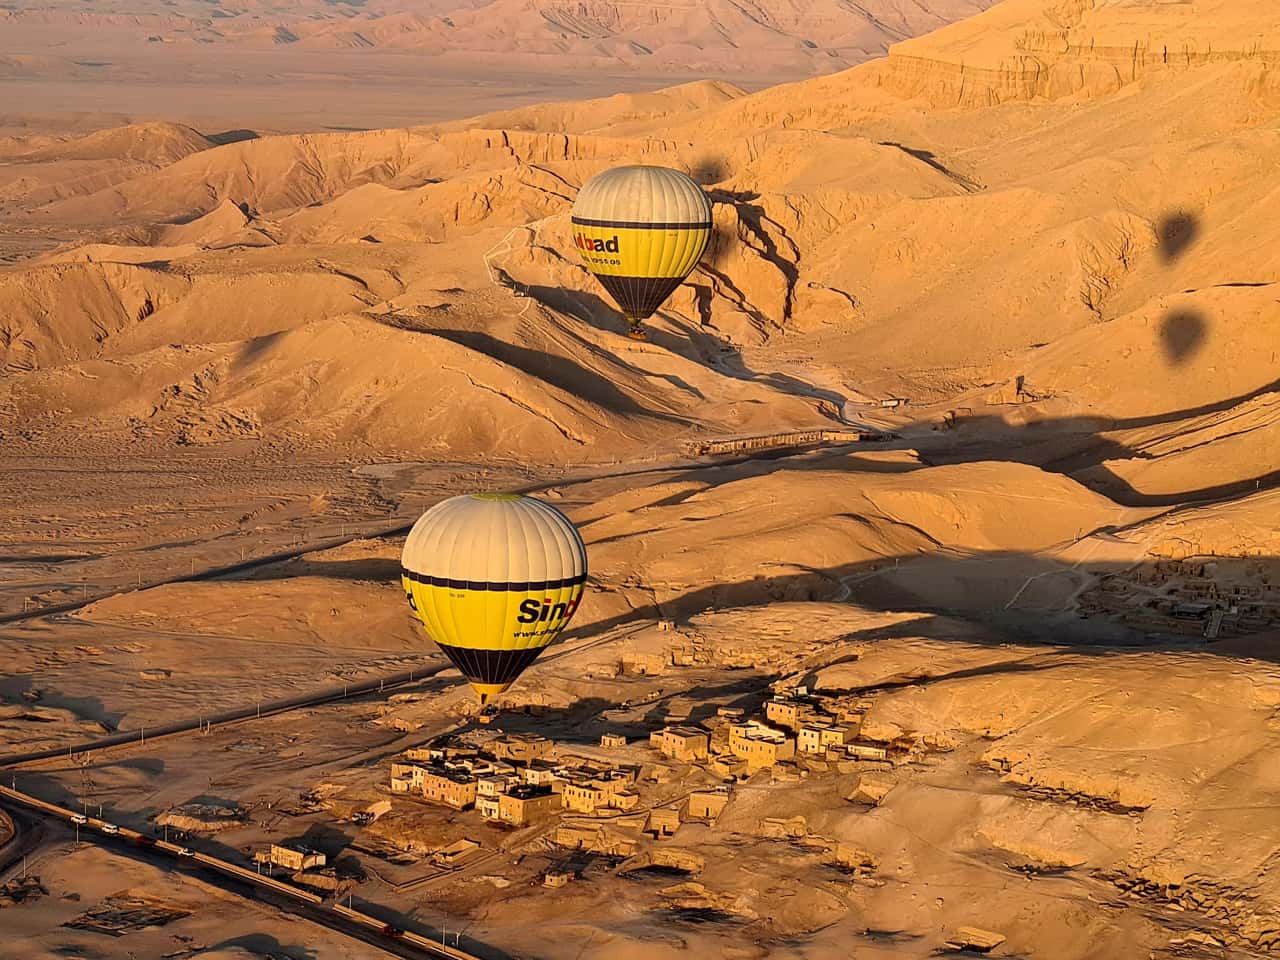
(641, 231)
(494, 578)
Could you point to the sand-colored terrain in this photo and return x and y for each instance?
(1034, 245)
(307, 65)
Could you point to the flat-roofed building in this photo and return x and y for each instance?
(759, 744)
(663, 822)
(583, 798)
(681, 743)
(816, 737)
(448, 787)
(519, 747)
(865, 751)
(491, 786)
(707, 804)
(789, 712)
(294, 856)
(524, 804)
(539, 773)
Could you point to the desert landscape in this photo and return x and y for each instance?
(934, 571)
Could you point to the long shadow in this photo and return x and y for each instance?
(558, 371)
(370, 570)
(1013, 597)
(231, 136)
(1175, 234)
(265, 945)
(1041, 445)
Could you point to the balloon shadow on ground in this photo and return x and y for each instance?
(1182, 334)
(710, 169)
(1175, 234)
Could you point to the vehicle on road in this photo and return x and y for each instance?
(186, 852)
(390, 931)
(110, 828)
(79, 819)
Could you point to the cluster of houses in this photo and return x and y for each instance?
(796, 725)
(511, 779)
(1211, 597)
(520, 779)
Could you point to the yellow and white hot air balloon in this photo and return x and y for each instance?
(641, 230)
(494, 578)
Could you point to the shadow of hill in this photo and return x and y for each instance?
(1079, 447)
(1024, 598)
(558, 371)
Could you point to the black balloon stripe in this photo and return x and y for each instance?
(493, 586)
(632, 225)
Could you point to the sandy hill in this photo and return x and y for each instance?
(811, 36)
(1081, 273)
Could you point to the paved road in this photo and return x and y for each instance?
(29, 833)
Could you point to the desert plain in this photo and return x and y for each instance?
(250, 330)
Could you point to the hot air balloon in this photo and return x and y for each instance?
(641, 230)
(494, 578)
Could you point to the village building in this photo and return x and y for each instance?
(540, 773)
(583, 798)
(519, 747)
(640, 664)
(864, 751)
(493, 785)
(613, 780)
(293, 857)
(817, 737)
(790, 711)
(707, 804)
(490, 808)
(407, 777)
(663, 822)
(455, 852)
(595, 839)
(681, 743)
(728, 767)
(524, 804)
(611, 741)
(448, 787)
(760, 745)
